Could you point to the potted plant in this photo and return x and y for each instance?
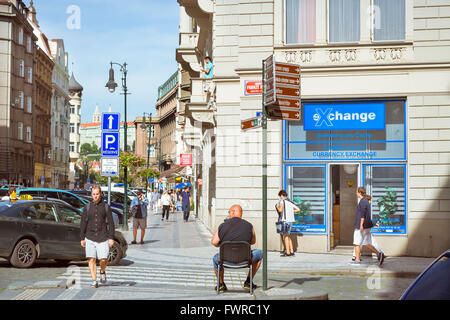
(388, 206)
(304, 207)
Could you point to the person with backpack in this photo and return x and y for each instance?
(139, 211)
(97, 234)
(362, 236)
(286, 210)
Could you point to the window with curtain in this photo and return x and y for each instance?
(345, 22)
(300, 21)
(389, 20)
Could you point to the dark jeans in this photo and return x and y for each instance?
(186, 211)
(166, 210)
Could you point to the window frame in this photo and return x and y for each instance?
(372, 25)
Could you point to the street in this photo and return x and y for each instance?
(175, 263)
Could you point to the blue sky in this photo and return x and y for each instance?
(142, 33)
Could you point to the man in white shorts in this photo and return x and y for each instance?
(97, 234)
(362, 236)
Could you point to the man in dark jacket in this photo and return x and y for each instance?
(97, 234)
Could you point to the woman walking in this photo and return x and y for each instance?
(286, 210)
(166, 203)
(362, 236)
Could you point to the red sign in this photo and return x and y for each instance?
(185, 159)
(253, 87)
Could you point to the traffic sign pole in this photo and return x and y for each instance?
(264, 182)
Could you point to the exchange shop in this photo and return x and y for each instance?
(335, 148)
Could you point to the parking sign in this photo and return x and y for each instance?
(110, 144)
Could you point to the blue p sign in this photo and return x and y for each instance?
(110, 144)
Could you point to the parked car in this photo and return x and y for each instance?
(116, 209)
(44, 229)
(66, 196)
(433, 283)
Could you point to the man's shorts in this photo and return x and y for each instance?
(140, 223)
(256, 257)
(97, 250)
(362, 239)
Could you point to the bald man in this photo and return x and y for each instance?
(236, 229)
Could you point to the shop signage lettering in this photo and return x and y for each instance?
(345, 154)
(355, 116)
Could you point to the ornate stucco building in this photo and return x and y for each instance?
(354, 55)
(75, 94)
(41, 104)
(60, 133)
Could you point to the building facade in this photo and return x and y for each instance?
(75, 94)
(169, 146)
(17, 94)
(41, 105)
(146, 146)
(60, 116)
(388, 60)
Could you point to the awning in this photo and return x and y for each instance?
(173, 172)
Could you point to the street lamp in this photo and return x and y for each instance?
(112, 85)
(144, 127)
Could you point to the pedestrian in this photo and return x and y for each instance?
(362, 236)
(166, 203)
(186, 203)
(374, 242)
(208, 68)
(12, 194)
(97, 234)
(139, 211)
(236, 229)
(154, 199)
(286, 211)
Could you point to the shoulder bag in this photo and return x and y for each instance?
(281, 225)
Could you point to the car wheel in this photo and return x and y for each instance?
(24, 254)
(115, 254)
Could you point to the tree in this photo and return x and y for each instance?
(131, 161)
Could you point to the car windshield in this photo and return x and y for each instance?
(434, 284)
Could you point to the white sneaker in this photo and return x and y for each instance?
(103, 278)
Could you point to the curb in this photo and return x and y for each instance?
(352, 272)
(290, 294)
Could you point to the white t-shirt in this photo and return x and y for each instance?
(166, 200)
(289, 210)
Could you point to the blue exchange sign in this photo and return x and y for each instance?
(345, 116)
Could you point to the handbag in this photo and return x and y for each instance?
(282, 226)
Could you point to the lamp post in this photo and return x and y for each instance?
(111, 85)
(144, 127)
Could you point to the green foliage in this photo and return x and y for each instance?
(305, 208)
(388, 206)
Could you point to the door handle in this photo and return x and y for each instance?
(35, 226)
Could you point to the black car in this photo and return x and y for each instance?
(433, 283)
(44, 229)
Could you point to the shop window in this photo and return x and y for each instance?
(389, 20)
(300, 21)
(387, 186)
(345, 144)
(306, 186)
(344, 20)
